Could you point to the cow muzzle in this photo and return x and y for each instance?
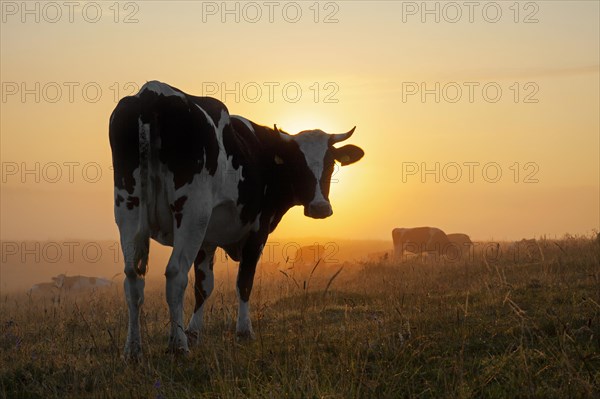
(318, 210)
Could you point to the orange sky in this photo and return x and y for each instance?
(362, 70)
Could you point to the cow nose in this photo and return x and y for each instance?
(319, 210)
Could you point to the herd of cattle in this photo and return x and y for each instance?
(419, 243)
(430, 240)
(431, 243)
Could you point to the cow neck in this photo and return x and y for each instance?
(280, 194)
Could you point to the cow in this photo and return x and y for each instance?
(79, 283)
(191, 176)
(69, 283)
(43, 289)
(460, 246)
(419, 240)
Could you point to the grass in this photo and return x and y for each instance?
(479, 328)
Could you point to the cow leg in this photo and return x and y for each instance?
(134, 289)
(134, 292)
(245, 278)
(135, 247)
(177, 279)
(203, 286)
(187, 242)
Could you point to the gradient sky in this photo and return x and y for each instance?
(367, 61)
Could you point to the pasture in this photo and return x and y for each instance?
(484, 327)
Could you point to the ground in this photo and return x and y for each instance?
(501, 327)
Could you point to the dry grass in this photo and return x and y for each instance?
(494, 328)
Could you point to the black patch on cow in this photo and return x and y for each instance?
(177, 209)
(177, 206)
(199, 277)
(178, 217)
(328, 167)
(245, 149)
(199, 258)
(295, 170)
(124, 142)
(250, 255)
(212, 106)
(132, 202)
(188, 141)
(118, 200)
(199, 293)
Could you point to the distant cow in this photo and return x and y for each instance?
(78, 283)
(44, 289)
(69, 283)
(460, 246)
(418, 240)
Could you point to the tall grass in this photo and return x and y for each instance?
(500, 327)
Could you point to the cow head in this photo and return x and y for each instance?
(59, 280)
(309, 158)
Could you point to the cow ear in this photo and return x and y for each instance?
(348, 154)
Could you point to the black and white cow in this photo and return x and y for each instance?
(190, 176)
(419, 240)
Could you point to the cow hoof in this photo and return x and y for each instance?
(177, 348)
(132, 353)
(193, 337)
(245, 335)
(179, 351)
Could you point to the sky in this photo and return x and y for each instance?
(480, 119)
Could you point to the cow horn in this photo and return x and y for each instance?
(336, 138)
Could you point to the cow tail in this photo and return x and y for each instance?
(142, 237)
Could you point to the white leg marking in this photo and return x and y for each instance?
(134, 292)
(244, 324)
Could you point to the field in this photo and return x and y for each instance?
(489, 326)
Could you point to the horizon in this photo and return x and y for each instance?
(589, 234)
(26, 263)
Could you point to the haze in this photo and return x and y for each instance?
(367, 69)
